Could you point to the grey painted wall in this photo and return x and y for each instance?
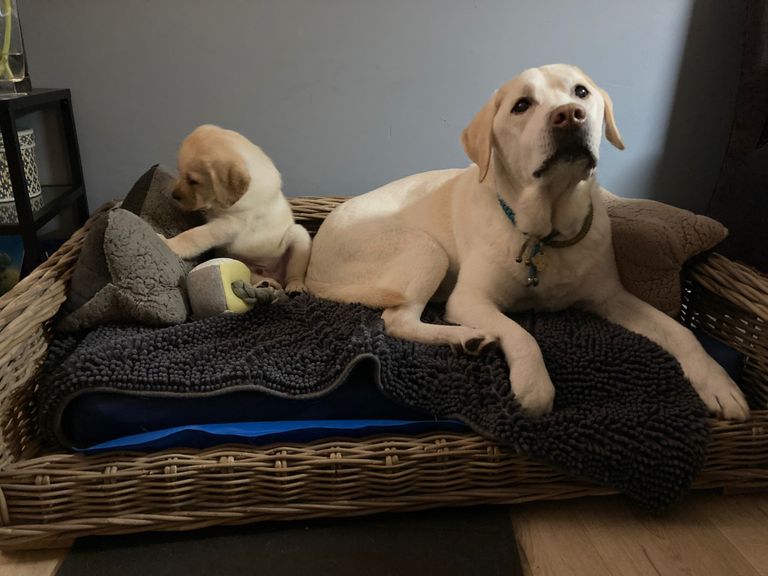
(346, 95)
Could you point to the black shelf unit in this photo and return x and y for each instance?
(56, 198)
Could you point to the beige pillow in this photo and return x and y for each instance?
(652, 243)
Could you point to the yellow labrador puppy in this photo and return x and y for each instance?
(238, 188)
(522, 228)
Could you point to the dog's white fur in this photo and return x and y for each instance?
(238, 188)
(442, 236)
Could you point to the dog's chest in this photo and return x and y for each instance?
(274, 268)
(555, 278)
(253, 243)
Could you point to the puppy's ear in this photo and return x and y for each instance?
(230, 179)
(477, 138)
(611, 131)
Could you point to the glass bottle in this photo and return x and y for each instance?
(12, 61)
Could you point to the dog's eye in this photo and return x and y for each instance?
(521, 106)
(191, 181)
(581, 91)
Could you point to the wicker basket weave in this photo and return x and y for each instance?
(49, 499)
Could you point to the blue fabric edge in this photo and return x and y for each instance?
(205, 435)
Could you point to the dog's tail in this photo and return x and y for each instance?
(372, 296)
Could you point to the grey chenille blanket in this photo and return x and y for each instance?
(624, 415)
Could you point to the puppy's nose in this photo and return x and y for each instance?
(567, 116)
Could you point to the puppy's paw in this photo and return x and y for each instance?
(295, 287)
(472, 341)
(720, 394)
(267, 283)
(532, 386)
(175, 246)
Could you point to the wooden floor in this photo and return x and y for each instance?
(707, 535)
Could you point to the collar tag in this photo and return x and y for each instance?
(536, 260)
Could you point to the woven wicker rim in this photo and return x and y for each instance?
(49, 498)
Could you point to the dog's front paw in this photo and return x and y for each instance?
(172, 244)
(263, 282)
(720, 394)
(295, 287)
(472, 341)
(532, 386)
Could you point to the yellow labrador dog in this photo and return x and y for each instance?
(238, 188)
(522, 228)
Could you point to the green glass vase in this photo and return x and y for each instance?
(13, 66)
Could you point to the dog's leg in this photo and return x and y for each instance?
(721, 394)
(426, 268)
(528, 375)
(405, 322)
(199, 239)
(299, 243)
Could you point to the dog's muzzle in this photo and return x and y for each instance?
(570, 146)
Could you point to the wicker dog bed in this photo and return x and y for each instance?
(47, 499)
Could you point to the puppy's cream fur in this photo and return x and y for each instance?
(443, 236)
(238, 189)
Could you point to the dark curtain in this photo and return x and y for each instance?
(740, 199)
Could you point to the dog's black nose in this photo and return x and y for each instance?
(567, 116)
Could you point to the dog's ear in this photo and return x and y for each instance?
(230, 179)
(611, 131)
(477, 138)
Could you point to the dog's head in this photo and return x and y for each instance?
(545, 123)
(213, 172)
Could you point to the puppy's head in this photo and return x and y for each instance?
(545, 123)
(213, 173)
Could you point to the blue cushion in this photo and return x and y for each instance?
(98, 417)
(260, 433)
